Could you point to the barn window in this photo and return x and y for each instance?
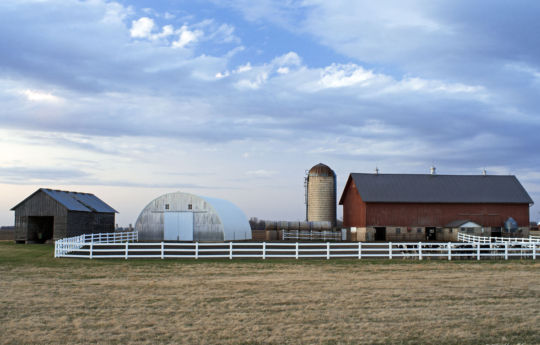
(418, 230)
(450, 230)
(189, 206)
(166, 206)
(398, 230)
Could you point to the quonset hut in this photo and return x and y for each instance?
(49, 214)
(187, 217)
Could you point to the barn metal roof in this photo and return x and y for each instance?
(75, 201)
(421, 188)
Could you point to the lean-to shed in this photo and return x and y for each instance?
(49, 214)
(187, 217)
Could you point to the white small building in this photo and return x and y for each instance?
(187, 217)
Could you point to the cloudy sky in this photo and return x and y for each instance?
(236, 99)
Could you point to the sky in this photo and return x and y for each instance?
(237, 99)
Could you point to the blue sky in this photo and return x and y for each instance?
(236, 99)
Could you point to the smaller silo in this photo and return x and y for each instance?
(321, 194)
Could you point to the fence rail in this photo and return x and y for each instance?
(311, 235)
(67, 245)
(483, 239)
(327, 250)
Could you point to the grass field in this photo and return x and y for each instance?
(47, 300)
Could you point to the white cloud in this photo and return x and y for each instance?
(166, 31)
(283, 70)
(254, 83)
(186, 36)
(289, 59)
(142, 27)
(244, 68)
(115, 13)
(40, 96)
(344, 75)
(220, 75)
(429, 86)
(524, 68)
(261, 173)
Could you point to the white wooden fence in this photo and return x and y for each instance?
(328, 250)
(311, 235)
(68, 245)
(482, 239)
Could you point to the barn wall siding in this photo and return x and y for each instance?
(354, 209)
(387, 214)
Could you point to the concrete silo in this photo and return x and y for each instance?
(320, 187)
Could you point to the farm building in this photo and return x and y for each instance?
(420, 207)
(49, 214)
(320, 184)
(187, 217)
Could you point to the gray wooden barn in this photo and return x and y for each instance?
(54, 214)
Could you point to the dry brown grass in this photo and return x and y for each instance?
(272, 302)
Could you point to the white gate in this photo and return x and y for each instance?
(178, 226)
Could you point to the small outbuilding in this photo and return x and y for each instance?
(187, 217)
(49, 214)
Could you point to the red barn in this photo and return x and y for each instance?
(422, 207)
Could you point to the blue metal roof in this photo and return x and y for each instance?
(83, 202)
(421, 188)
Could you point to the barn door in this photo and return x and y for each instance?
(178, 226)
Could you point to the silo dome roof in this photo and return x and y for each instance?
(321, 170)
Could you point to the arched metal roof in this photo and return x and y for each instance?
(213, 219)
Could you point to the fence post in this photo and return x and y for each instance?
(127, 243)
(506, 250)
(197, 250)
(162, 251)
(359, 250)
(534, 251)
(264, 250)
(419, 250)
(296, 250)
(327, 250)
(390, 250)
(230, 250)
(478, 251)
(449, 251)
(91, 249)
